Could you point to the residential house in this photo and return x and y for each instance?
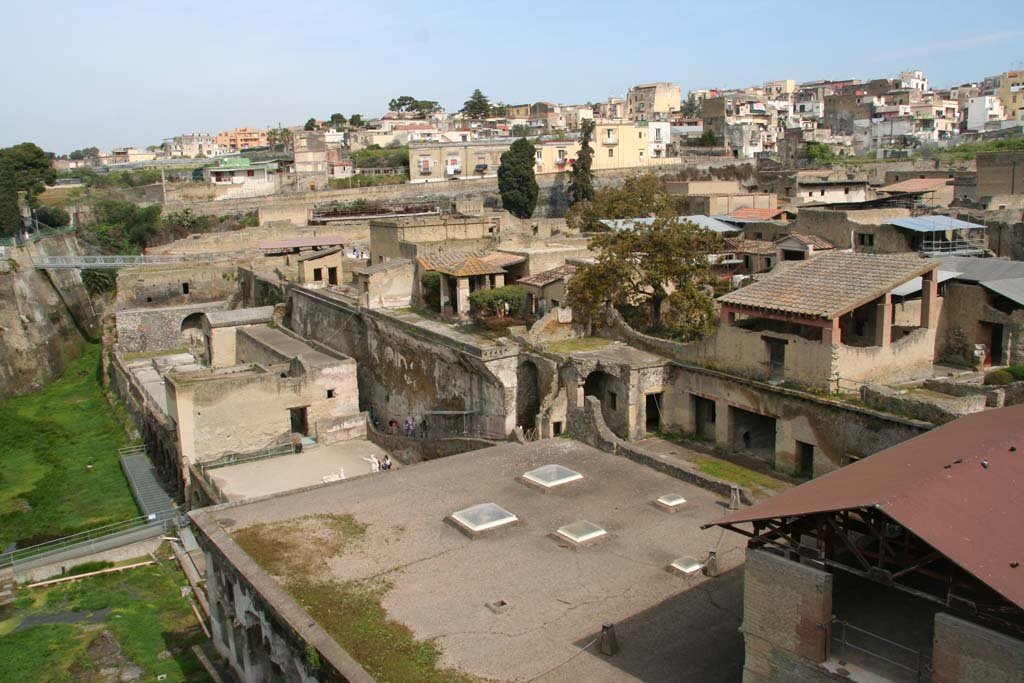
(192, 145)
(718, 197)
(1011, 93)
(652, 101)
(310, 167)
(547, 290)
(439, 161)
(982, 109)
(241, 138)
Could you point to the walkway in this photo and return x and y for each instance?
(141, 475)
(111, 261)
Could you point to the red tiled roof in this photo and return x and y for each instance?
(743, 245)
(819, 243)
(563, 272)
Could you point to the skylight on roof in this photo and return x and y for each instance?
(483, 517)
(687, 566)
(550, 476)
(670, 502)
(581, 532)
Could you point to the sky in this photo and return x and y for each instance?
(115, 73)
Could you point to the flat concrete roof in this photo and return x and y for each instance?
(291, 347)
(669, 627)
(618, 353)
(296, 471)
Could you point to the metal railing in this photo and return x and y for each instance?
(878, 654)
(21, 240)
(113, 261)
(239, 458)
(86, 539)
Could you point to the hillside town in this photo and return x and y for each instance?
(710, 384)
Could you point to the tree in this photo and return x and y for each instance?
(336, 121)
(818, 152)
(581, 184)
(499, 301)
(517, 181)
(400, 104)
(499, 109)
(356, 120)
(279, 137)
(639, 196)
(708, 138)
(425, 108)
(477, 106)
(520, 130)
(23, 168)
(310, 125)
(122, 225)
(52, 216)
(84, 153)
(690, 107)
(660, 272)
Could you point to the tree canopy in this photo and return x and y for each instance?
(84, 153)
(337, 121)
(356, 120)
(658, 276)
(23, 168)
(310, 124)
(517, 180)
(639, 196)
(405, 103)
(122, 226)
(581, 184)
(477, 106)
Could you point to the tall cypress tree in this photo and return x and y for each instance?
(581, 184)
(517, 181)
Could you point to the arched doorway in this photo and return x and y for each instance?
(527, 395)
(191, 333)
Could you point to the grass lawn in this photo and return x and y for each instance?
(296, 553)
(743, 476)
(47, 439)
(145, 612)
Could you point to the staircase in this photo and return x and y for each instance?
(142, 478)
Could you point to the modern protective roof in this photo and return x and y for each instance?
(931, 223)
(240, 316)
(972, 269)
(318, 253)
(1012, 289)
(707, 222)
(547, 277)
(914, 286)
(305, 242)
(830, 284)
(914, 185)
(959, 487)
(503, 259)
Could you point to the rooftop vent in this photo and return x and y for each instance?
(581, 533)
(483, 517)
(670, 503)
(548, 477)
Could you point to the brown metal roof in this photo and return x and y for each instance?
(916, 185)
(959, 487)
(830, 284)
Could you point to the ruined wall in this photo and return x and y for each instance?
(176, 284)
(839, 227)
(406, 370)
(259, 629)
(784, 605)
(965, 306)
(44, 317)
(158, 329)
(968, 652)
(903, 360)
(258, 290)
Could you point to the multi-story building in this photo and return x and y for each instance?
(612, 109)
(1011, 93)
(126, 155)
(914, 80)
(192, 145)
(241, 138)
(652, 101)
(982, 109)
(780, 90)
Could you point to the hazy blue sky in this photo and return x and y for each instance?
(112, 73)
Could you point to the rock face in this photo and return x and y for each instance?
(45, 316)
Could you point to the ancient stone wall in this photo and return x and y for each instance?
(785, 605)
(176, 284)
(968, 652)
(158, 329)
(406, 370)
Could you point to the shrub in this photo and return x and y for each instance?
(430, 283)
(99, 280)
(499, 301)
(999, 378)
(1017, 371)
(88, 567)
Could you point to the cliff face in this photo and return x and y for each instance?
(45, 316)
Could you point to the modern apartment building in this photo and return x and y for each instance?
(242, 138)
(1011, 93)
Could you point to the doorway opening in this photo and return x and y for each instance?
(299, 420)
(704, 417)
(332, 275)
(805, 459)
(753, 433)
(653, 411)
(776, 357)
(992, 338)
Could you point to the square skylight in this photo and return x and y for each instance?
(550, 476)
(581, 532)
(687, 566)
(670, 502)
(483, 517)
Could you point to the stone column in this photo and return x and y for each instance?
(463, 297)
(499, 280)
(723, 424)
(883, 320)
(832, 334)
(726, 317)
(929, 299)
(445, 293)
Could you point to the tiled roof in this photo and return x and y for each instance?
(460, 264)
(545, 278)
(751, 214)
(744, 246)
(829, 285)
(809, 240)
(916, 185)
(503, 259)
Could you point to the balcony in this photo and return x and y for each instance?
(610, 139)
(425, 170)
(562, 161)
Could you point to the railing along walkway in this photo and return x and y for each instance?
(112, 261)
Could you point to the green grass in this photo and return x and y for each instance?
(47, 439)
(148, 615)
(568, 346)
(297, 551)
(737, 474)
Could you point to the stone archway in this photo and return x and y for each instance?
(607, 389)
(191, 330)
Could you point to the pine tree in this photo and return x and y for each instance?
(581, 184)
(517, 181)
(477, 106)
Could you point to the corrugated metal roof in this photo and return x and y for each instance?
(914, 286)
(931, 223)
(937, 486)
(300, 242)
(974, 269)
(1012, 289)
(916, 185)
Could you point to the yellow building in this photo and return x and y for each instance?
(242, 138)
(646, 102)
(616, 145)
(1011, 93)
(780, 90)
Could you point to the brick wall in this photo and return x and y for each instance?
(967, 652)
